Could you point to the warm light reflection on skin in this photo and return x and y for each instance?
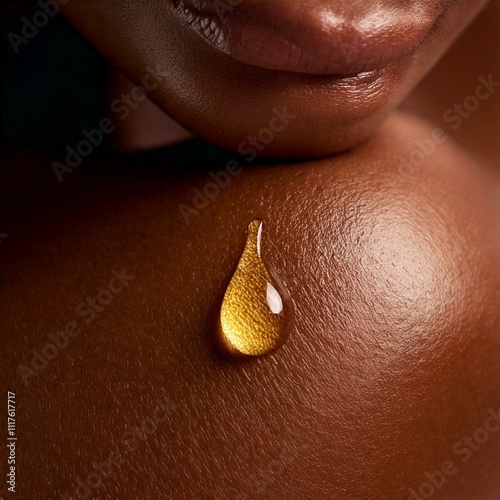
(377, 20)
(407, 269)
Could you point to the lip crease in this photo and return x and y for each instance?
(279, 35)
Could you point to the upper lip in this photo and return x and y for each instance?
(288, 36)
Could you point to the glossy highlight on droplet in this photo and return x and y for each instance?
(256, 311)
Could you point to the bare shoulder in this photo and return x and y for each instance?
(391, 256)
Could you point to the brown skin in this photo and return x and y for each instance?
(393, 357)
(456, 76)
(223, 100)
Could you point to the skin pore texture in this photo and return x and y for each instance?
(393, 358)
(394, 272)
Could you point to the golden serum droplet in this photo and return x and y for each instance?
(256, 312)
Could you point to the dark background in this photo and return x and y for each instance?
(53, 87)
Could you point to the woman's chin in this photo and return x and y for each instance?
(299, 141)
(285, 121)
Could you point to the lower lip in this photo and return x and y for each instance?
(316, 43)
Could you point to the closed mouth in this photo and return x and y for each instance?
(278, 35)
